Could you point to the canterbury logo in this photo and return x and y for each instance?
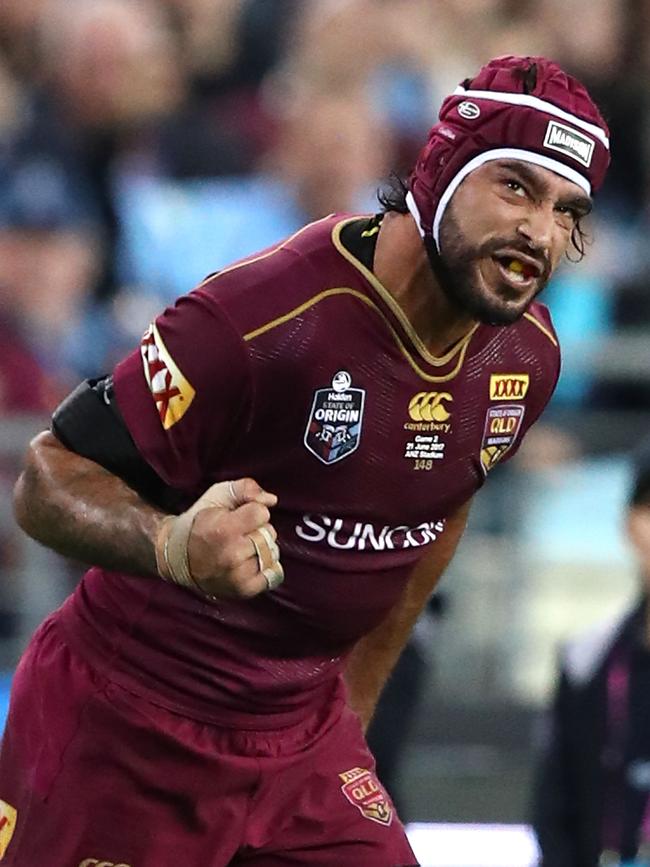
(504, 386)
(429, 406)
(95, 862)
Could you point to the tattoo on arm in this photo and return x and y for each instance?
(78, 508)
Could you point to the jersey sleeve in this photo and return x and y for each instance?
(184, 393)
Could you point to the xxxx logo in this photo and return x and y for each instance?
(505, 386)
(430, 406)
(171, 392)
(8, 818)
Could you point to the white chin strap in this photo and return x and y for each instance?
(487, 156)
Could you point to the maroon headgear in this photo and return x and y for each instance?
(515, 108)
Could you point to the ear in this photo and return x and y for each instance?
(637, 525)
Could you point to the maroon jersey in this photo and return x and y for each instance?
(297, 367)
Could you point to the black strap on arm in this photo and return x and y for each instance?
(89, 423)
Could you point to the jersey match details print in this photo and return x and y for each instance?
(8, 819)
(364, 791)
(334, 425)
(172, 393)
(430, 418)
(502, 424)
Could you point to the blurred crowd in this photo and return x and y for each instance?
(145, 143)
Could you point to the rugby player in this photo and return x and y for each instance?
(269, 488)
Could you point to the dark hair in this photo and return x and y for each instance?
(579, 239)
(391, 196)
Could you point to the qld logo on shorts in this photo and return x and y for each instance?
(334, 425)
(364, 791)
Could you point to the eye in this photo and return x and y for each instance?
(516, 186)
(568, 211)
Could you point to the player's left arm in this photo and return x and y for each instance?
(374, 656)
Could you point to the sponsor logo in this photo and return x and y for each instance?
(430, 406)
(502, 424)
(170, 390)
(430, 416)
(364, 791)
(566, 140)
(95, 862)
(344, 534)
(469, 110)
(8, 817)
(334, 426)
(506, 386)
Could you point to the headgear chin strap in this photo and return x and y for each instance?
(556, 126)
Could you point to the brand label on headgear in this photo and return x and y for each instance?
(566, 140)
(469, 110)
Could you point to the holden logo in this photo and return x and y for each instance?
(469, 110)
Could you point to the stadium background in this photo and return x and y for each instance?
(146, 143)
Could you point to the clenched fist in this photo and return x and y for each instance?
(224, 545)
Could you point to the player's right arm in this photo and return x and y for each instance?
(105, 486)
(78, 508)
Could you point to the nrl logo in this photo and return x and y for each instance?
(566, 140)
(334, 425)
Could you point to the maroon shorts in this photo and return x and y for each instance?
(94, 776)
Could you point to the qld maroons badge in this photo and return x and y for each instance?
(334, 426)
(364, 791)
(502, 424)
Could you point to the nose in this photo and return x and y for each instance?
(537, 229)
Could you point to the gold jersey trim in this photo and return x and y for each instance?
(542, 328)
(343, 290)
(434, 360)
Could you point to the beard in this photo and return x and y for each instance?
(456, 269)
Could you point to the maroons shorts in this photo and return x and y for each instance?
(92, 775)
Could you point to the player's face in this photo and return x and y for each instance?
(503, 233)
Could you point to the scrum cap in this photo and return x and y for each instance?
(515, 108)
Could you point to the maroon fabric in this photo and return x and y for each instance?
(25, 386)
(99, 776)
(258, 343)
(455, 140)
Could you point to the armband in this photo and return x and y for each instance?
(89, 423)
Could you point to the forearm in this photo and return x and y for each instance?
(374, 656)
(81, 510)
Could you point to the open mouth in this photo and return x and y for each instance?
(517, 271)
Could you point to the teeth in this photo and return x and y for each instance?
(515, 271)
